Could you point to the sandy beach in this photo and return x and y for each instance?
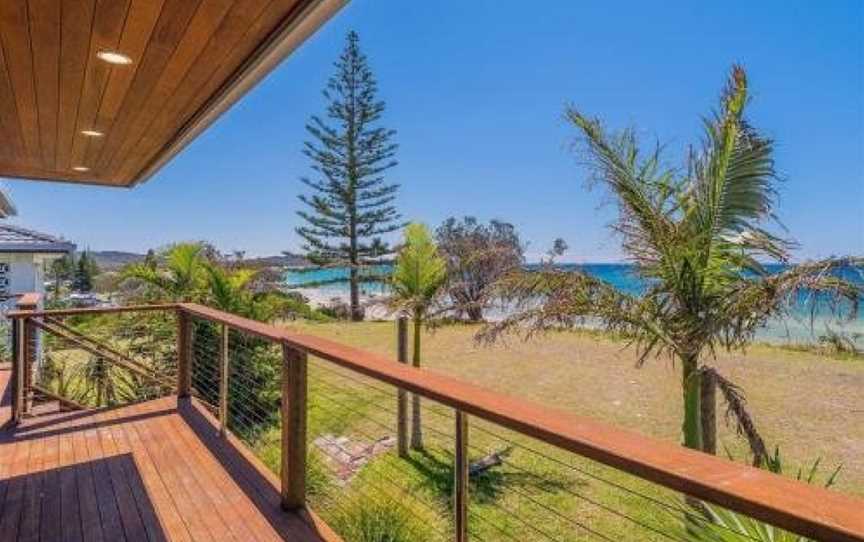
(374, 304)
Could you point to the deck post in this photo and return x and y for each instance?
(460, 485)
(27, 357)
(29, 347)
(17, 370)
(184, 354)
(402, 395)
(223, 381)
(293, 428)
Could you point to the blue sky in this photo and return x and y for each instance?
(476, 91)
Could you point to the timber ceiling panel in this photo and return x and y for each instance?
(68, 115)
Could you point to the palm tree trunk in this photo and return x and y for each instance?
(691, 384)
(692, 425)
(416, 431)
(708, 412)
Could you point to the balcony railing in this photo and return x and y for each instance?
(294, 399)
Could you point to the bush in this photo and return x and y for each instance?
(477, 256)
(366, 520)
(293, 306)
(339, 309)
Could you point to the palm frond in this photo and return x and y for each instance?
(737, 412)
(643, 189)
(551, 298)
(733, 182)
(420, 272)
(816, 285)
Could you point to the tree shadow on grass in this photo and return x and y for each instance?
(486, 487)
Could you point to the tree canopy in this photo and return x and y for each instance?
(477, 255)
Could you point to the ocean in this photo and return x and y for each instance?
(323, 283)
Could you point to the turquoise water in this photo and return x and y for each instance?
(797, 329)
(297, 278)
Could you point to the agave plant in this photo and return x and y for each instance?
(721, 525)
(698, 237)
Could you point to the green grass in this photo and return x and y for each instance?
(540, 492)
(543, 493)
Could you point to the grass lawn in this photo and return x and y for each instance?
(809, 405)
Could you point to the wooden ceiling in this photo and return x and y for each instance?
(191, 59)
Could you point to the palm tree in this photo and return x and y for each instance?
(182, 275)
(697, 239)
(417, 280)
(227, 289)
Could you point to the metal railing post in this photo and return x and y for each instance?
(184, 354)
(460, 485)
(293, 428)
(223, 381)
(402, 395)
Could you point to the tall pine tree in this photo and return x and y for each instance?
(85, 271)
(351, 204)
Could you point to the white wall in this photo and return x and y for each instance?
(26, 272)
(18, 274)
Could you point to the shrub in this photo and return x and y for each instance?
(339, 309)
(477, 255)
(368, 520)
(293, 306)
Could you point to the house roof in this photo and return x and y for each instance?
(108, 92)
(17, 239)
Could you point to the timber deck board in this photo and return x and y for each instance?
(153, 471)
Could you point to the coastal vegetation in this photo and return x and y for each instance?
(699, 239)
(477, 255)
(351, 203)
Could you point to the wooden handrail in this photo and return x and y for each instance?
(91, 311)
(789, 504)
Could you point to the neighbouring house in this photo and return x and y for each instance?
(25, 255)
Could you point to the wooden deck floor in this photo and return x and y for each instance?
(152, 471)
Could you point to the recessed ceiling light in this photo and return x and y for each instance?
(82, 169)
(91, 133)
(113, 57)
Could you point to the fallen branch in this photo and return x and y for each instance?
(485, 463)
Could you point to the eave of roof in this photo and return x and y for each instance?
(15, 239)
(281, 43)
(118, 125)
